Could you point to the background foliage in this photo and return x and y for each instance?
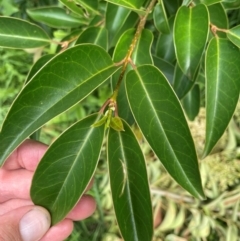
(177, 216)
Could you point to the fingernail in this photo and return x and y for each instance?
(34, 224)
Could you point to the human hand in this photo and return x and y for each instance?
(20, 219)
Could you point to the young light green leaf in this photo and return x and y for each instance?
(67, 167)
(17, 33)
(55, 17)
(160, 117)
(53, 90)
(222, 88)
(160, 18)
(116, 124)
(100, 122)
(191, 103)
(95, 35)
(129, 185)
(233, 35)
(190, 36)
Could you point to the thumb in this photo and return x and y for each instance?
(25, 224)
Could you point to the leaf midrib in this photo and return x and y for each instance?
(128, 189)
(85, 140)
(161, 127)
(24, 37)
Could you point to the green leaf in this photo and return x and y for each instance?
(191, 103)
(17, 33)
(231, 5)
(160, 18)
(73, 7)
(172, 6)
(165, 67)
(67, 167)
(141, 55)
(207, 2)
(222, 88)
(160, 117)
(53, 90)
(55, 17)
(90, 6)
(190, 37)
(218, 17)
(95, 35)
(181, 82)
(38, 65)
(118, 20)
(165, 45)
(134, 5)
(233, 35)
(129, 185)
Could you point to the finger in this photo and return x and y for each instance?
(59, 231)
(27, 156)
(25, 223)
(84, 208)
(15, 184)
(13, 204)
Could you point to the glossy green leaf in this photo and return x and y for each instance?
(207, 2)
(129, 185)
(67, 168)
(38, 65)
(141, 55)
(53, 90)
(95, 35)
(160, 117)
(90, 6)
(134, 5)
(222, 88)
(172, 6)
(218, 17)
(191, 103)
(233, 35)
(55, 17)
(165, 67)
(165, 45)
(118, 20)
(17, 33)
(231, 5)
(160, 18)
(71, 5)
(190, 37)
(181, 82)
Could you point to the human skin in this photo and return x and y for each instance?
(15, 181)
